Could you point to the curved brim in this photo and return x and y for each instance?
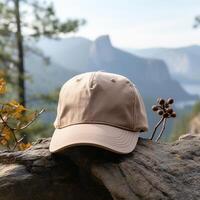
(104, 136)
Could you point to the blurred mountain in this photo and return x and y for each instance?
(150, 75)
(74, 55)
(183, 63)
(71, 53)
(44, 77)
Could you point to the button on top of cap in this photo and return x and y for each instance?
(113, 80)
(78, 79)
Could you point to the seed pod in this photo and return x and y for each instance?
(165, 115)
(170, 101)
(154, 108)
(162, 102)
(160, 112)
(166, 105)
(169, 110)
(173, 115)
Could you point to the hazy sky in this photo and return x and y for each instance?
(135, 23)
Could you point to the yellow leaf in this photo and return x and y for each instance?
(28, 145)
(17, 109)
(6, 133)
(22, 146)
(2, 86)
(17, 106)
(16, 115)
(3, 141)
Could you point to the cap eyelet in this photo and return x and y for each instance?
(78, 79)
(113, 80)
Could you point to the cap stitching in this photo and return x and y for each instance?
(132, 124)
(137, 125)
(91, 79)
(60, 102)
(99, 122)
(134, 100)
(59, 109)
(134, 118)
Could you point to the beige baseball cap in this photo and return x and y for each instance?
(99, 109)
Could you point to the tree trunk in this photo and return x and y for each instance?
(153, 171)
(21, 72)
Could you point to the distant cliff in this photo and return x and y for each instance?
(151, 75)
(183, 62)
(77, 55)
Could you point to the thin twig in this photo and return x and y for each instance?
(18, 141)
(29, 123)
(157, 125)
(25, 126)
(15, 129)
(162, 130)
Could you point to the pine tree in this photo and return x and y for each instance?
(27, 19)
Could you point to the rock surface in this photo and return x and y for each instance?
(153, 171)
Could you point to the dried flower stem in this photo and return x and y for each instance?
(164, 109)
(162, 130)
(156, 127)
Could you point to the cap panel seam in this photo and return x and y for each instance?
(91, 80)
(137, 124)
(133, 106)
(59, 109)
(134, 111)
(64, 88)
(134, 117)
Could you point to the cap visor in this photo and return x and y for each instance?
(99, 135)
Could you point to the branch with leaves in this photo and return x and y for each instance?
(28, 20)
(14, 118)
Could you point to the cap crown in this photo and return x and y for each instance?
(101, 98)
